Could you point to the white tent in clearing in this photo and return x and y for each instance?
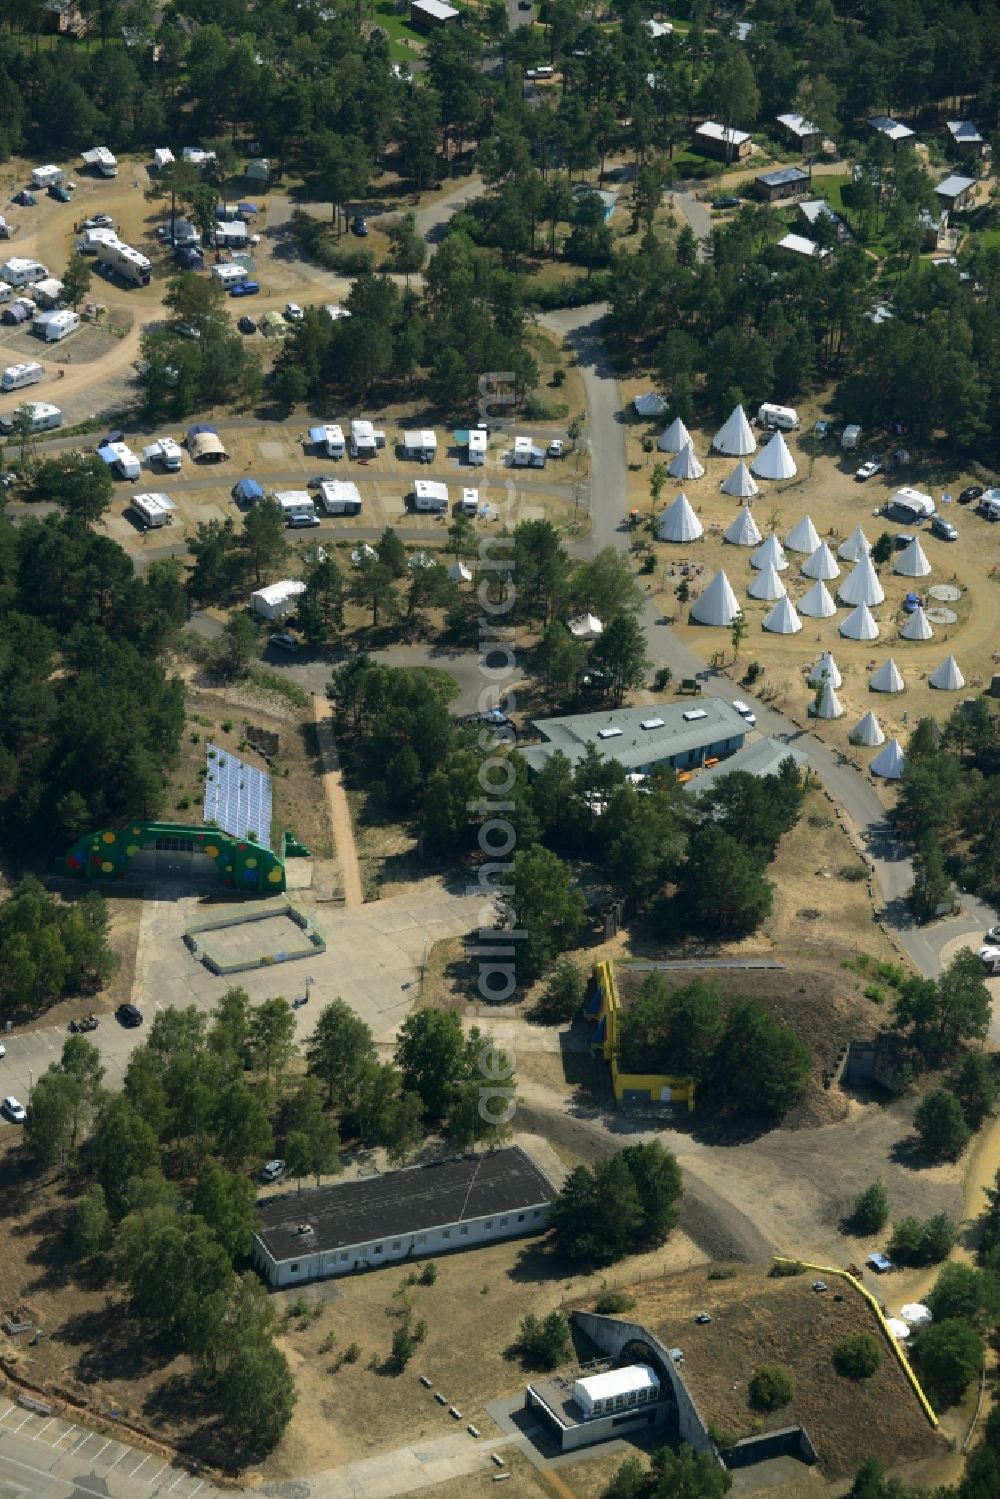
(459, 573)
(741, 483)
(916, 1314)
(917, 627)
(803, 537)
(718, 605)
(743, 532)
(888, 678)
(947, 676)
(782, 619)
(770, 554)
(898, 1328)
(867, 731)
(685, 465)
(817, 603)
(821, 564)
(912, 561)
(734, 436)
(855, 547)
(829, 705)
(861, 586)
(889, 762)
(825, 670)
(586, 627)
(859, 625)
(679, 522)
(674, 438)
(767, 585)
(774, 461)
(650, 404)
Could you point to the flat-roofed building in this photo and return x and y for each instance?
(677, 735)
(786, 182)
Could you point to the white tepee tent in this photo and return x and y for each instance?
(650, 404)
(718, 605)
(774, 461)
(741, 483)
(817, 603)
(947, 676)
(679, 522)
(685, 465)
(867, 731)
(803, 537)
(855, 547)
(888, 762)
(769, 554)
(734, 436)
(861, 586)
(821, 564)
(743, 532)
(674, 438)
(459, 573)
(829, 704)
(767, 585)
(782, 619)
(917, 627)
(586, 627)
(825, 670)
(912, 561)
(859, 625)
(888, 678)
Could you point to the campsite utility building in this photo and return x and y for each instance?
(786, 182)
(679, 735)
(722, 141)
(403, 1215)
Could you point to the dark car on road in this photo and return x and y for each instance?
(129, 1016)
(359, 225)
(974, 492)
(60, 193)
(246, 324)
(729, 201)
(245, 289)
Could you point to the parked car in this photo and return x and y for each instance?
(60, 193)
(25, 199)
(245, 289)
(285, 642)
(99, 221)
(359, 225)
(273, 1171)
(556, 447)
(911, 602)
(3, 1051)
(974, 492)
(129, 1016)
(943, 529)
(728, 200)
(14, 1111)
(992, 936)
(246, 324)
(821, 429)
(88, 1023)
(293, 312)
(745, 711)
(868, 470)
(524, 4)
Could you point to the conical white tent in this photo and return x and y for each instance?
(888, 678)
(734, 436)
(912, 561)
(817, 603)
(888, 762)
(829, 705)
(685, 465)
(767, 585)
(679, 522)
(718, 605)
(459, 573)
(917, 627)
(782, 619)
(650, 404)
(859, 625)
(855, 547)
(861, 586)
(947, 676)
(586, 627)
(821, 564)
(803, 537)
(743, 532)
(770, 554)
(774, 461)
(741, 483)
(674, 438)
(825, 670)
(867, 731)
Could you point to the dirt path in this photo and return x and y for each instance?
(340, 814)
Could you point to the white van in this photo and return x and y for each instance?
(17, 376)
(778, 418)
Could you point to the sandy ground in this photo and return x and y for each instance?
(340, 815)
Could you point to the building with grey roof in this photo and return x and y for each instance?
(762, 758)
(965, 138)
(786, 182)
(678, 735)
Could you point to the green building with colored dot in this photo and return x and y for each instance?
(174, 851)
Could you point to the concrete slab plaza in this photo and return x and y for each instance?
(402, 1471)
(372, 957)
(253, 940)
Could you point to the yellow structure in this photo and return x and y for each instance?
(604, 1005)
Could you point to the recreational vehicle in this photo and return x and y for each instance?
(328, 440)
(153, 509)
(470, 502)
(102, 160)
(277, 600)
(165, 452)
(524, 454)
(44, 417)
(53, 326)
(125, 262)
(120, 457)
(430, 496)
(478, 440)
(364, 443)
(419, 445)
(20, 272)
(17, 376)
(296, 506)
(229, 275)
(46, 177)
(910, 505)
(340, 498)
(778, 418)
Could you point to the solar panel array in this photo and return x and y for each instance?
(237, 796)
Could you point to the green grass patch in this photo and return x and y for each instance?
(400, 31)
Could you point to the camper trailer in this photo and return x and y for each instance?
(20, 272)
(6, 293)
(125, 262)
(165, 452)
(153, 510)
(17, 376)
(778, 418)
(910, 505)
(277, 600)
(478, 440)
(420, 445)
(524, 454)
(297, 507)
(328, 440)
(44, 417)
(364, 440)
(102, 160)
(53, 326)
(470, 502)
(430, 496)
(120, 457)
(92, 240)
(229, 275)
(340, 498)
(163, 157)
(230, 236)
(851, 437)
(45, 177)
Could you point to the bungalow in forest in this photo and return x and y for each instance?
(724, 142)
(897, 134)
(786, 182)
(800, 132)
(965, 140)
(956, 193)
(429, 14)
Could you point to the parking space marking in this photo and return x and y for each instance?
(151, 1481)
(98, 1453)
(181, 1475)
(67, 1433)
(194, 1491)
(27, 1418)
(121, 1458)
(43, 1428)
(7, 1412)
(81, 1444)
(141, 1465)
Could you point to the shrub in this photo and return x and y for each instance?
(857, 1356)
(927, 1243)
(875, 994)
(610, 1302)
(403, 1346)
(771, 1387)
(429, 1274)
(949, 1355)
(786, 1267)
(870, 1213)
(941, 1127)
(352, 1353)
(543, 1342)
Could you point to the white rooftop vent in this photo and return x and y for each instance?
(693, 714)
(611, 733)
(651, 723)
